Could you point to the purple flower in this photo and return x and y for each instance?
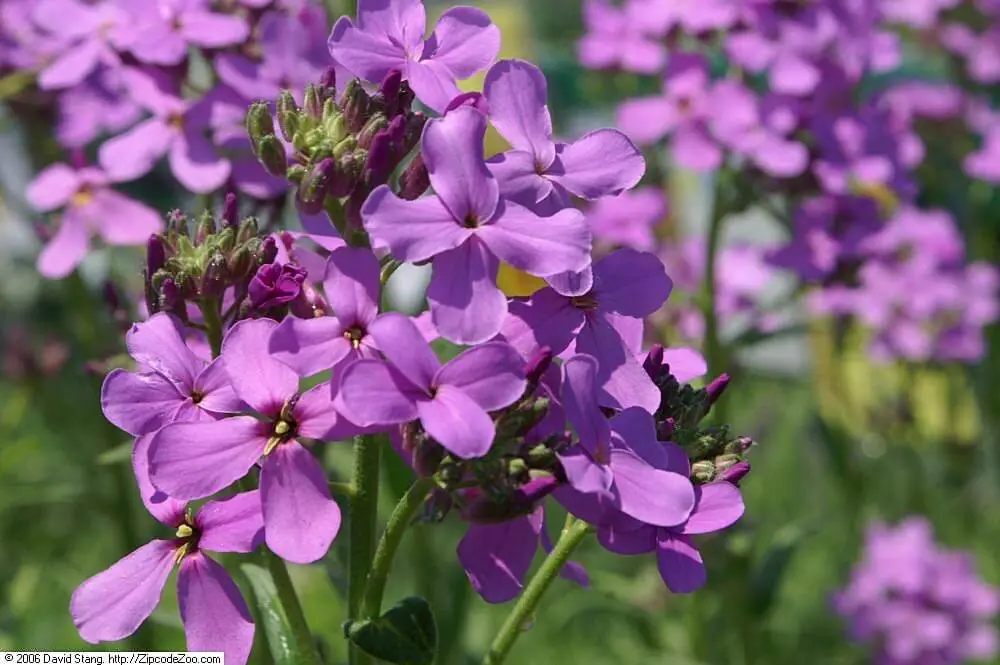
(92, 33)
(618, 465)
(23, 45)
(984, 164)
(112, 604)
(390, 35)
(194, 460)
(177, 129)
(627, 37)
(859, 152)
(89, 206)
(538, 169)
(466, 228)
(165, 29)
(682, 112)
(915, 602)
(981, 51)
(451, 401)
(717, 506)
(95, 107)
(172, 384)
(352, 288)
(629, 218)
(605, 322)
(276, 284)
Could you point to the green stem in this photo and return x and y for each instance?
(713, 346)
(293, 609)
(213, 325)
(363, 526)
(400, 519)
(572, 535)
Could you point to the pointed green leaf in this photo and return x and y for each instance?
(405, 634)
(281, 640)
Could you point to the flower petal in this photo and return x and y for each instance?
(53, 187)
(466, 305)
(518, 180)
(601, 163)
(402, 21)
(195, 460)
(374, 393)
(718, 506)
(66, 249)
(166, 510)
(584, 474)
(112, 604)
(139, 403)
(622, 379)
(497, 557)
(547, 319)
(214, 613)
(217, 394)
(317, 418)
(647, 119)
(196, 164)
(631, 283)
(367, 55)
(413, 230)
(73, 65)
(539, 246)
(452, 149)
(134, 153)
(580, 401)
(464, 40)
(309, 346)
(258, 379)
(158, 344)
(457, 423)
(301, 518)
(121, 220)
(492, 374)
(352, 285)
(235, 524)
(432, 83)
(518, 95)
(399, 339)
(680, 563)
(627, 536)
(649, 494)
(213, 30)
(634, 428)
(685, 364)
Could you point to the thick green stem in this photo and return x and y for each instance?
(363, 528)
(213, 325)
(293, 609)
(572, 535)
(400, 519)
(715, 354)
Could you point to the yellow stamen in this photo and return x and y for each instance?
(272, 443)
(185, 531)
(281, 428)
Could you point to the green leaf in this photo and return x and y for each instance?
(120, 453)
(405, 634)
(766, 578)
(281, 640)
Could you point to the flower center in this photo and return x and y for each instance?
(83, 196)
(587, 302)
(188, 534)
(470, 221)
(197, 396)
(354, 335)
(176, 120)
(284, 428)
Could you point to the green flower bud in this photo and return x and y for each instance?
(272, 156)
(288, 115)
(349, 144)
(248, 229)
(375, 124)
(313, 101)
(259, 124)
(703, 471)
(296, 172)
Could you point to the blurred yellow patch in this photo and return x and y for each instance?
(514, 282)
(863, 397)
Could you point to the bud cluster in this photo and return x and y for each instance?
(185, 265)
(341, 149)
(715, 453)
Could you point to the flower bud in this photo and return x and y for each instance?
(313, 188)
(288, 115)
(328, 79)
(474, 99)
(389, 89)
(356, 105)
(214, 280)
(177, 223)
(231, 210)
(312, 102)
(248, 229)
(242, 263)
(735, 473)
(739, 445)
(170, 296)
(276, 284)
(714, 390)
(414, 180)
(378, 164)
(406, 97)
(653, 361)
(156, 253)
(411, 133)
(268, 251)
(377, 123)
(346, 176)
(272, 155)
(296, 173)
(703, 471)
(665, 430)
(537, 366)
(259, 123)
(206, 227)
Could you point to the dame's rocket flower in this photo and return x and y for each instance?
(539, 172)
(93, 33)
(451, 401)
(195, 460)
(467, 227)
(90, 206)
(165, 29)
(390, 35)
(172, 384)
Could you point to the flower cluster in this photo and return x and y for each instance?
(260, 346)
(915, 602)
(797, 114)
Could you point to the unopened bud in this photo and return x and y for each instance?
(735, 473)
(389, 89)
(242, 263)
(259, 123)
(474, 99)
(406, 97)
(739, 445)
(653, 361)
(356, 105)
(231, 210)
(213, 281)
(177, 223)
(272, 155)
(206, 227)
(665, 430)
(268, 251)
(156, 253)
(296, 173)
(703, 471)
(329, 79)
(170, 295)
(537, 366)
(346, 176)
(412, 131)
(313, 188)
(714, 390)
(378, 164)
(288, 115)
(312, 102)
(248, 229)
(377, 123)
(414, 180)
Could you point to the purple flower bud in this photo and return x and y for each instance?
(170, 296)
(397, 134)
(329, 78)
(413, 130)
(389, 89)
(665, 430)
(715, 389)
(414, 180)
(214, 280)
(177, 222)
(312, 102)
(276, 284)
(313, 188)
(474, 99)
(484, 509)
(376, 124)
(378, 165)
(406, 97)
(654, 361)
(538, 365)
(735, 473)
(156, 254)
(356, 104)
(231, 210)
(268, 250)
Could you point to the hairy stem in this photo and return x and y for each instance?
(713, 346)
(293, 609)
(213, 325)
(572, 535)
(363, 521)
(400, 519)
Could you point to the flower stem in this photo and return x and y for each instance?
(713, 346)
(363, 519)
(572, 535)
(400, 519)
(293, 609)
(213, 325)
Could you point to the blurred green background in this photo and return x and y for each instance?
(841, 442)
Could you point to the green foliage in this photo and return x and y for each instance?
(405, 634)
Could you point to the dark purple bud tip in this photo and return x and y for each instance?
(156, 254)
(474, 99)
(715, 389)
(378, 166)
(653, 361)
(329, 78)
(538, 365)
(231, 210)
(389, 89)
(268, 250)
(735, 473)
(170, 295)
(665, 430)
